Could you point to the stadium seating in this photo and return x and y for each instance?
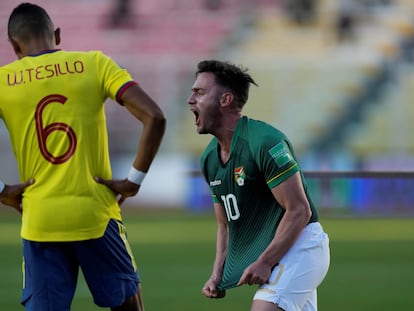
(160, 48)
(307, 79)
(313, 85)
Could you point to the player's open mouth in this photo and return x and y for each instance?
(197, 116)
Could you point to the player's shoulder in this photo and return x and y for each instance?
(209, 161)
(210, 148)
(85, 54)
(10, 65)
(257, 131)
(92, 59)
(258, 125)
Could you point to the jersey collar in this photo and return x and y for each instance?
(44, 52)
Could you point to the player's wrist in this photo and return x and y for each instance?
(136, 176)
(215, 278)
(2, 186)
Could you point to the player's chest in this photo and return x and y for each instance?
(237, 175)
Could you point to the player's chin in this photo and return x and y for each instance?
(200, 128)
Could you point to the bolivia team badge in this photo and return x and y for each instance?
(239, 175)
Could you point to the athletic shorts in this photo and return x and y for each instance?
(293, 282)
(50, 271)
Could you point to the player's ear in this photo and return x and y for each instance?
(57, 36)
(226, 99)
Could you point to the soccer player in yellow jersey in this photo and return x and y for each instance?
(52, 103)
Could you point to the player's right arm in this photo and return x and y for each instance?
(210, 287)
(11, 195)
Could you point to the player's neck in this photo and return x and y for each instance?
(38, 46)
(225, 136)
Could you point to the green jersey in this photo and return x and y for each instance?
(261, 157)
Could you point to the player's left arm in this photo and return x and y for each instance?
(291, 196)
(147, 111)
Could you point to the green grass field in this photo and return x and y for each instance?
(372, 264)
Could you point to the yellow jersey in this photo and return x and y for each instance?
(53, 106)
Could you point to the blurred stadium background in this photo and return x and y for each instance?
(337, 76)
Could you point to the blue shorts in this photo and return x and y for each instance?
(50, 271)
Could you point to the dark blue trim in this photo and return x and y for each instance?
(44, 52)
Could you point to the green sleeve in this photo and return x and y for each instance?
(274, 158)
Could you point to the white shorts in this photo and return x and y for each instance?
(293, 282)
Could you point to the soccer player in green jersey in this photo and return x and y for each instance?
(268, 231)
(52, 103)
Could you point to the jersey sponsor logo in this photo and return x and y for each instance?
(215, 183)
(281, 154)
(45, 72)
(239, 175)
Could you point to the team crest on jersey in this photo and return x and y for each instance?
(239, 175)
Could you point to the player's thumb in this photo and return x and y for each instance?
(100, 180)
(31, 181)
(242, 279)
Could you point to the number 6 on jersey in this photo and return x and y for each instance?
(44, 131)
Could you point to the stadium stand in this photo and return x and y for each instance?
(160, 49)
(317, 89)
(388, 117)
(307, 78)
